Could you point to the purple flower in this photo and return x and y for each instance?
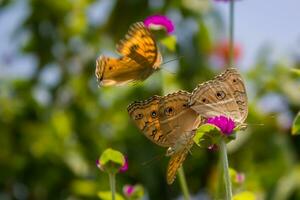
(158, 21)
(240, 177)
(128, 190)
(124, 168)
(225, 124)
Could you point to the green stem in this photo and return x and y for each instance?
(183, 184)
(112, 182)
(226, 177)
(231, 33)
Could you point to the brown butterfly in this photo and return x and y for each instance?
(224, 95)
(140, 57)
(168, 122)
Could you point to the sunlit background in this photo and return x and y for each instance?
(55, 120)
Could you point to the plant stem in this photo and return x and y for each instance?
(112, 182)
(231, 33)
(183, 184)
(226, 177)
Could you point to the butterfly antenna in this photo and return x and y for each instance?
(173, 73)
(171, 60)
(153, 159)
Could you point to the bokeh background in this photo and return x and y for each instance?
(55, 121)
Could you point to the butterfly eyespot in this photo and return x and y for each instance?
(139, 116)
(234, 80)
(220, 95)
(184, 105)
(153, 114)
(204, 100)
(169, 111)
(110, 68)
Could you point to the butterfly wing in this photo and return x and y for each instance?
(224, 95)
(164, 119)
(139, 58)
(176, 118)
(139, 44)
(119, 71)
(178, 157)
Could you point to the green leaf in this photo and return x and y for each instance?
(208, 135)
(169, 42)
(106, 195)
(296, 125)
(111, 160)
(296, 71)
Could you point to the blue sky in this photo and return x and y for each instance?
(261, 22)
(257, 23)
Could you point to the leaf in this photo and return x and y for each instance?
(296, 71)
(208, 135)
(106, 195)
(169, 42)
(296, 125)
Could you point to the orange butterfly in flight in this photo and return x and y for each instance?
(140, 57)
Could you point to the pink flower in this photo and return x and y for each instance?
(225, 124)
(128, 190)
(124, 168)
(240, 177)
(159, 21)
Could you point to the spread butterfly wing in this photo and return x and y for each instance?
(119, 71)
(139, 58)
(175, 117)
(145, 116)
(139, 44)
(164, 119)
(224, 95)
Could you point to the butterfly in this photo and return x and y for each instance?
(168, 122)
(224, 95)
(171, 121)
(140, 57)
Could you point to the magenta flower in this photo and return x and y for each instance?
(159, 21)
(240, 177)
(128, 190)
(124, 168)
(225, 124)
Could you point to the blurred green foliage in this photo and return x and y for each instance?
(52, 133)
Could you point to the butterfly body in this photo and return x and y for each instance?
(140, 57)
